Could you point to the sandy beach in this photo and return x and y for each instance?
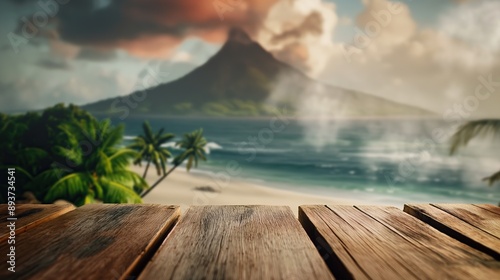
(184, 189)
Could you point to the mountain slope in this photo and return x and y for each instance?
(244, 79)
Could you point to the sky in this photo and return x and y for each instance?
(441, 55)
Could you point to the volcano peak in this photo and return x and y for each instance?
(239, 35)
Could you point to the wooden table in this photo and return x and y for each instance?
(253, 242)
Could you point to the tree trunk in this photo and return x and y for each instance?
(159, 181)
(146, 171)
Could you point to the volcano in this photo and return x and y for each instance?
(244, 79)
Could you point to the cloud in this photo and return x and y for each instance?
(181, 56)
(436, 69)
(387, 23)
(312, 23)
(25, 94)
(461, 1)
(296, 29)
(394, 57)
(96, 54)
(63, 49)
(8, 95)
(31, 92)
(151, 28)
(345, 21)
(55, 64)
(474, 24)
(300, 32)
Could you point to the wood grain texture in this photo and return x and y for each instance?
(30, 215)
(489, 207)
(92, 242)
(475, 225)
(482, 219)
(237, 242)
(370, 242)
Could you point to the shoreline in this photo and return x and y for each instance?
(185, 189)
(200, 187)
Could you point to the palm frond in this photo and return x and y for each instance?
(473, 129)
(29, 156)
(149, 147)
(70, 154)
(119, 193)
(18, 170)
(162, 139)
(148, 132)
(493, 178)
(113, 137)
(159, 133)
(104, 165)
(101, 130)
(139, 184)
(121, 158)
(127, 178)
(70, 187)
(194, 149)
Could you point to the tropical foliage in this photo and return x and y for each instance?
(150, 149)
(471, 130)
(65, 153)
(193, 146)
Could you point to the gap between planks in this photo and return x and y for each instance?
(475, 225)
(369, 242)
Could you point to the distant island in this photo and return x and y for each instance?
(243, 79)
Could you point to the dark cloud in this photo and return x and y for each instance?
(96, 55)
(54, 64)
(21, 2)
(81, 23)
(154, 28)
(137, 24)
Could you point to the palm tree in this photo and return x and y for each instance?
(470, 130)
(94, 169)
(150, 149)
(193, 145)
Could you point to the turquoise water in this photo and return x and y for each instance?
(377, 161)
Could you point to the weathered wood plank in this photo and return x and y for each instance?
(30, 215)
(472, 225)
(492, 208)
(489, 207)
(91, 242)
(482, 219)
(237, 242)
(386, 243)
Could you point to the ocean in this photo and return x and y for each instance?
(377, 161)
